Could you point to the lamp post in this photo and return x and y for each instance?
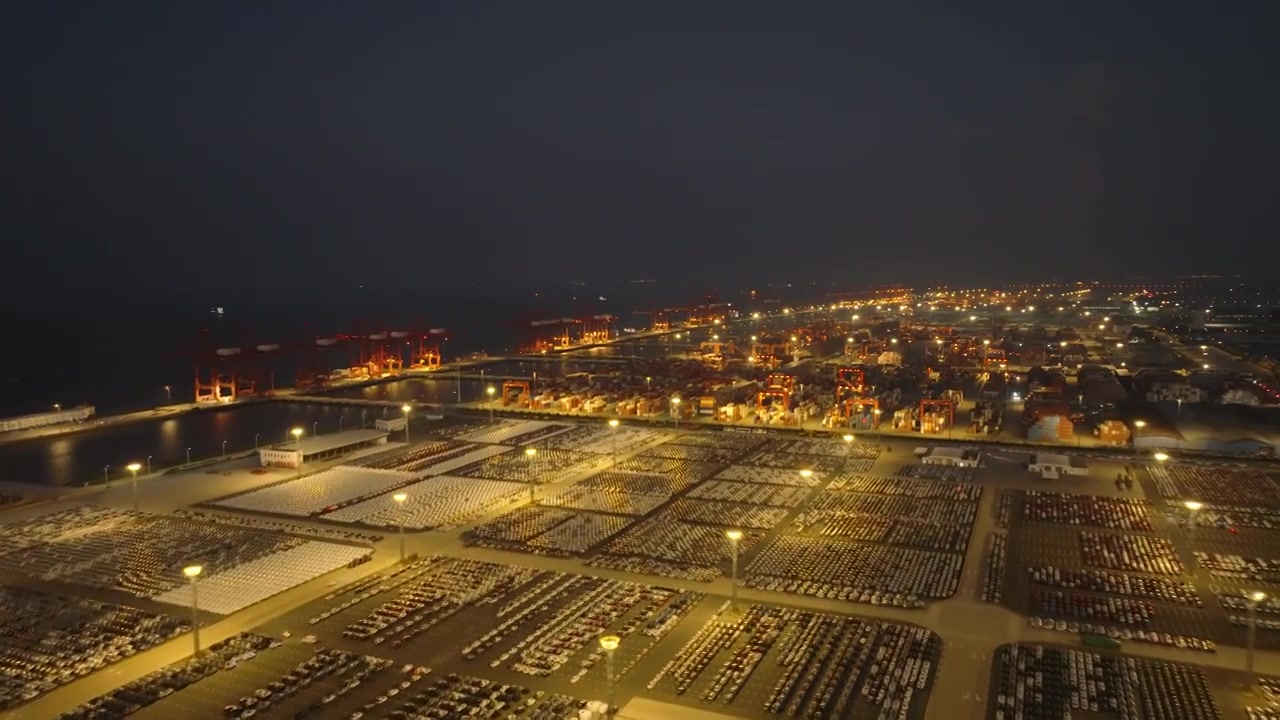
(297, 442)
(675, 410)
(255, 441)
(1194, 506)
(188, 456)
(168, 393)
(224, 448)
(734, 536)
(614, 425)
(528, 466)
(148, 464)
(106, 474)
(1137, 431)
(193, 572)
(400, 498)
(315, 429)
(876, 414)
(609, 643)
(406, 408)
(490, 391)
(1255, 597)
(340, 418)
(134, 468)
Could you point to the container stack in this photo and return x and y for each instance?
(1239, 396)
(1051, 428)
(1112, 432)
(986, 417)
(933, 423)
(1183, 391)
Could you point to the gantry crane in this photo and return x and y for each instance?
(943, 405)
(522, 389)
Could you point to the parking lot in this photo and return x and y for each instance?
(867, 534)
(540, 630)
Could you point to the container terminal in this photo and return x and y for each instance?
(1047, 365)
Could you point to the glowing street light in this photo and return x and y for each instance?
(529, 453)
(610, 643)
(614, 425)
(297, 441)
(734, 536)
(490, 391)
(193, 572)
(675, 410)
(1194, 507)
(1255, 598)
(406, 409)
(168, 393)
(134, 468)
(400, 498)
(1137, 432)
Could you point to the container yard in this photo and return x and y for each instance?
(1059, 382)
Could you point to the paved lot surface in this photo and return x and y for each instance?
(960, 676)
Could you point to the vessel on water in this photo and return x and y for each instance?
(76, 414)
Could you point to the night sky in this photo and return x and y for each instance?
(291, 144)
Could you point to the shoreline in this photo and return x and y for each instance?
(161, 412)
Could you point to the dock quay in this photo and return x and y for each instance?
(346, 401)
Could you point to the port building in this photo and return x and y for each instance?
(323, 447)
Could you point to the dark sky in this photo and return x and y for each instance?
(403, 143)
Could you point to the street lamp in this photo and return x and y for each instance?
(1194, 506)
(614, 424)
(193, 572)
(297, 443)
(405, 408)
(224, 448)
(734, 536)
(675, 410)
(168, 393)
(134, 468)
(609, 643)
(490, 392)
(1137, 431)
(400, 498)
(528, 466)
(876, 414)
(1255, 597)
(148, 464)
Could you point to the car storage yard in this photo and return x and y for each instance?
(857, 565)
